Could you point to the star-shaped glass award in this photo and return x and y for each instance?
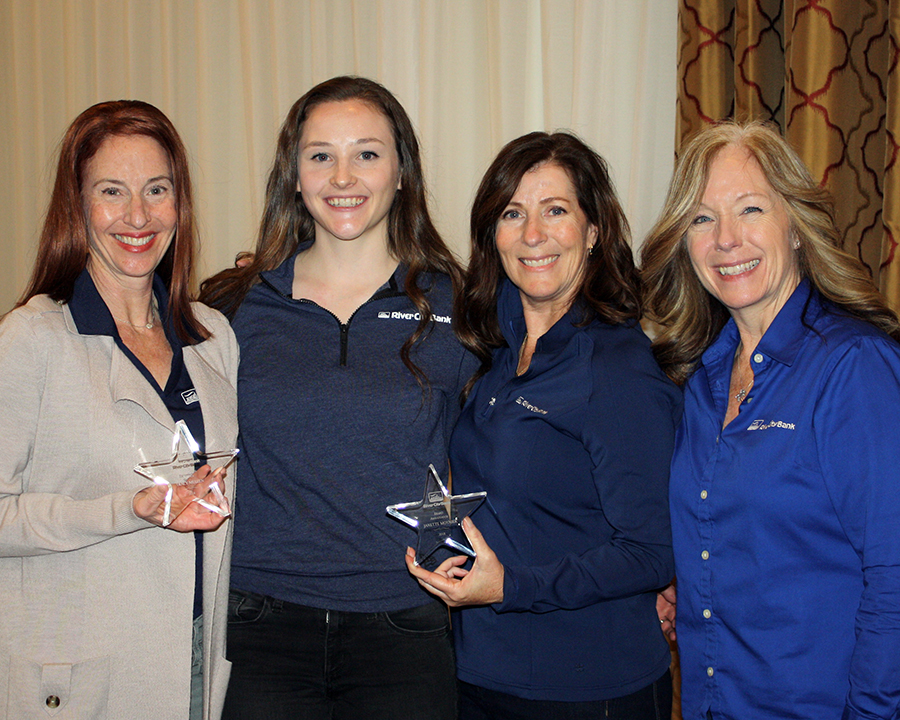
(178, 469)
(437, 517)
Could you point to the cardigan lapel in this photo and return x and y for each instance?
(127, 383)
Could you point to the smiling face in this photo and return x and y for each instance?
(129, 207)
(349, 170)
(740, 239)
(543, 238)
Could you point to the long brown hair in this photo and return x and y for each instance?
(609, 289)
(690, 317)
(63, 249)
(412, 237)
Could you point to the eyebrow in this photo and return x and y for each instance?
(743, 196)
(752, 193)
(545, 201)
(114, 181)
(361, 141)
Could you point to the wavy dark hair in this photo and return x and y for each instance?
(63, 248)
(610, 287)
(412, 237)
(691, 318)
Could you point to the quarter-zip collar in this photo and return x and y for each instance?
(281, 279)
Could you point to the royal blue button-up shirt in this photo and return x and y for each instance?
(786, 524)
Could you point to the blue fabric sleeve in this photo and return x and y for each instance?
(855, 425)
(628, 428)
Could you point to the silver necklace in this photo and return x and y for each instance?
(143, 326)
(742, 392)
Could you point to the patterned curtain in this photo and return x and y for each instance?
(825, 71)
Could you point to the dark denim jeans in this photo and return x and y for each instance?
(291, 661)
(653, 702)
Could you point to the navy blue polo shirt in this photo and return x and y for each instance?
(92, 317)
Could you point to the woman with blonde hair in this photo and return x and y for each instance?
(784, 485)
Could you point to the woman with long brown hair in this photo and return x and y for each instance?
(568, 426)
(101, 358)
(348, 389)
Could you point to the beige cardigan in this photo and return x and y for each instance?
(96, 603)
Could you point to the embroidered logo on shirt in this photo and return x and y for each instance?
(190, 396)
(763, 425)
(396, 315)
(528, 406)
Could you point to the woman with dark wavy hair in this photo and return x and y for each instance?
(568, 426)
(784, 489)
(348, 389)
(101, 358)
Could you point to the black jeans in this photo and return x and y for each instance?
(654, 702)
(291, 661)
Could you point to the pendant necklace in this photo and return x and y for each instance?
(742, 392)
(143, 326)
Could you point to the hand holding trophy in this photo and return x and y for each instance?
(182, 498)
(437, 517)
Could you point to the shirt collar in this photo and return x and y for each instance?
(511, 316)
(92, 316)
(282, 277)
(784, 337)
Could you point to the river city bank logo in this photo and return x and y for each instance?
(397, 315)
(763, 425)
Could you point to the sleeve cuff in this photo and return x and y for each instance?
(519, 588)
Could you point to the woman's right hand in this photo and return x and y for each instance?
(665, 610)
(457, 586)
(185, 515)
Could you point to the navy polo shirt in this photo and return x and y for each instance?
(92, 317)
(574, 455)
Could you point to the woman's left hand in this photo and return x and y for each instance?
(457, 586)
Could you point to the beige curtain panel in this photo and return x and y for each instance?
(826, 72)
(472, 74)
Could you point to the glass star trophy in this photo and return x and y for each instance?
(178, 469)
(437, 517)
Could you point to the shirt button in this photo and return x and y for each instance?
(703, 494)
(705, 555)
(758, 358)
(707, 614)
(710, 671)
(52, 701)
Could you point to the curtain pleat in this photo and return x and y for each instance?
(889, 266)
